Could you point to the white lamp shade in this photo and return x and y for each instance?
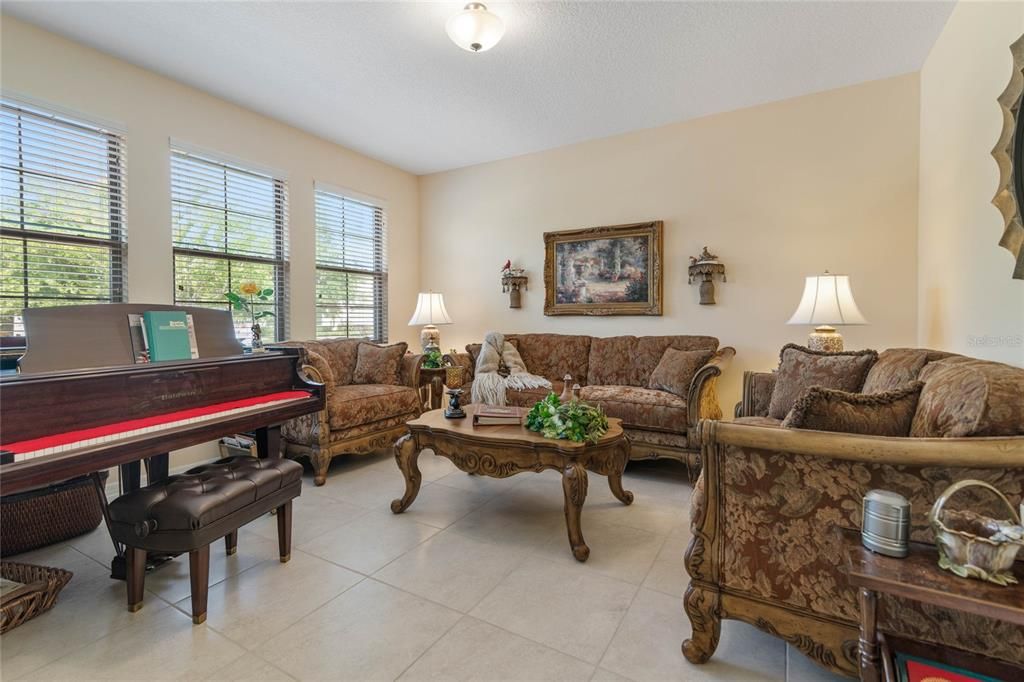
(475, 28)
(430, 310)
(827, 300)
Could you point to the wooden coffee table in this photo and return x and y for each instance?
(503, 451)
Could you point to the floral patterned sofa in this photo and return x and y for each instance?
(615, 372)
(764, 509)
(359, 416)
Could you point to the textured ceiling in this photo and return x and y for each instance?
(382, 78)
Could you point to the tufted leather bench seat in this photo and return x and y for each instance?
(186, 513)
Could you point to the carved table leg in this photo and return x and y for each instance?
(574, 485)
(406, 454)
(869, 658)
(615, 476)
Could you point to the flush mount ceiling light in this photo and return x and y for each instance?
(475, 28)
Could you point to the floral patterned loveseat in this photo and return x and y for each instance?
(357, 417)
(765, 507)
(615, 373)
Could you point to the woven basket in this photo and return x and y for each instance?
(42, 585)
(36, 518)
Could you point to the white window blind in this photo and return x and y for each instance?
(229, 228)
(62, 223)
(351, 268)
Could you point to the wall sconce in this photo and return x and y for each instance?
(705, 267)
(512, 281)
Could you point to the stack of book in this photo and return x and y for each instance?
(491, 415)
(163, 335)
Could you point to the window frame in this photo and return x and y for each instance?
(380, 260)
(280, 260)
(116, 243)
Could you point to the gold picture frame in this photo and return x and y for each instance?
(610, 270)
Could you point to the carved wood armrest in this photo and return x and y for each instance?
(702, 398)
(410, 369)
(757, 394)
(323, 431)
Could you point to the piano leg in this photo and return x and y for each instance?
(157, 468)
(130, 476)
(268, 442)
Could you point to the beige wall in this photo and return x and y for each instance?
(968, 301)
(777, 191)
(152, 109)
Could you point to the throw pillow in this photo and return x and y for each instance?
(379, 364)
(897, 367)
(889, 413)
(676, 368)
(800, 368)
(965, 397)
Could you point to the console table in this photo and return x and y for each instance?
(918, 577)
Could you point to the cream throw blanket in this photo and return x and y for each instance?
(488, 385)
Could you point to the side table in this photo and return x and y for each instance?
(919, 578)
(432, 383)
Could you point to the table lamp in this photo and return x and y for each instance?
(430, 312)
(827, 300)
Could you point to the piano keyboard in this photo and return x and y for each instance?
(147, 426)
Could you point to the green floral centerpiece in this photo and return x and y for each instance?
(575, 420)
(433, 359)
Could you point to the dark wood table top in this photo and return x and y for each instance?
(919, 577)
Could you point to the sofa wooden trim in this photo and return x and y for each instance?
(984, 452)
(829, 641)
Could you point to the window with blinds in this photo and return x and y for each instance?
(351, 268)
(229, 228)
(62, 229)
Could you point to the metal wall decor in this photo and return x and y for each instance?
(704, 268)
(1009, 154)
(513, 280)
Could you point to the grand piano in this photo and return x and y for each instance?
(81, 405)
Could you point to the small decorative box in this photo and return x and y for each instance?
(885, 525)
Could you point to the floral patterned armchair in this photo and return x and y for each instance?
(763, 510)
(358, 417)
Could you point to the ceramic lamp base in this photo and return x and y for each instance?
(825, 339)
(430, 338)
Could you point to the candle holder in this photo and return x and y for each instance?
(454, 377)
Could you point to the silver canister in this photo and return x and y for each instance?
(885, 526)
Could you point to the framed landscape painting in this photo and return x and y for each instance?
(614, 270)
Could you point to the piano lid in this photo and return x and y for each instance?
(90, 336)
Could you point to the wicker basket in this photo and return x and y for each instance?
(39, 594)
(975, 546)
(36, 518)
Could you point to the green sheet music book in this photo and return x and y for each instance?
(167, 335)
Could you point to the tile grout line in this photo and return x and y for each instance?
(618, 627)
(432, 644)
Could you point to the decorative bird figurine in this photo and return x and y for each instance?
(507, 266)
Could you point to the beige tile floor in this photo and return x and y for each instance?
(474, 582)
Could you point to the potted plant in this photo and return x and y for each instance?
(245, 300)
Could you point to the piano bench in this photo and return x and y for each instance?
(188, 512)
